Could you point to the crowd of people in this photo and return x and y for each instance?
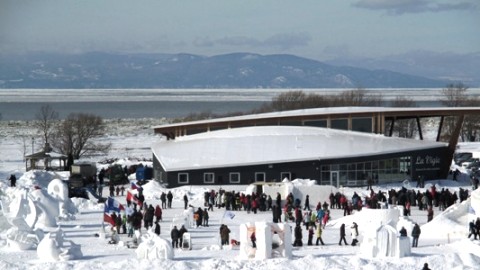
(314, 219)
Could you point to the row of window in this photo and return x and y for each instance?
(385, 170)
(233, 177)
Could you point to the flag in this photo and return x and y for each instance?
(112, 205)
(108, 218)
(229, 214)
(134, 185)
(132, 198)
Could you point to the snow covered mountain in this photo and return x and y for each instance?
(236, 70)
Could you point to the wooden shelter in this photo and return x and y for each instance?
(46, 160)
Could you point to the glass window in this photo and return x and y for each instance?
(339, 124)
(351, 167)
(362, 124)
(183, 178)
(368, 166)
(234, 177)
(284, 175)
(259, 177)
(343, 167)
(209, 178)
(360, 166)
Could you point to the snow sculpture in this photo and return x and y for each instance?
(272, 240)
(153, 246)
(475, 201)
(49, 249)
(20, 235)
(59, 190)
(381, 238)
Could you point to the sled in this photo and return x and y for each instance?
(186, 241)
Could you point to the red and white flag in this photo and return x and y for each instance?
(132, 198)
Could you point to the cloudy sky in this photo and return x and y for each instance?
(319, 29)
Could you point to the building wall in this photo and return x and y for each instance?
(425, 163)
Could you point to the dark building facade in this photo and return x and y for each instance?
(352, 171)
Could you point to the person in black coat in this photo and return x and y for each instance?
(157, 228)
(169, 199)
(174, 234)
(181, 232)
(342, 235)
(415, 234)
(298, 236)
(13, 180)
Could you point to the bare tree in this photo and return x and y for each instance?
(455, 95)
(46, 119)
(76, 135)
(405, 128)
(357, 97)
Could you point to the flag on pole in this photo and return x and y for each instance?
(229, 214)
(132, 198)
(111, 205)
(136, 186)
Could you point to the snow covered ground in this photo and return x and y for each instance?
(443, 243)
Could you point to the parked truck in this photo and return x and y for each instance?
(82, 176)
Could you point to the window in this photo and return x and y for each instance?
(284, 175)
(259, 177)
(183, 178)
(234, 177)
(209, 178)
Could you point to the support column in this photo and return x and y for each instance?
(452, 144)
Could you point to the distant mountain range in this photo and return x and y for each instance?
(236, 70)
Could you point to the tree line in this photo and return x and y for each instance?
(453, 95)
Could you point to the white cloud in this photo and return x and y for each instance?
(398, 7)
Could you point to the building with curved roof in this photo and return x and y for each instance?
(345, 146)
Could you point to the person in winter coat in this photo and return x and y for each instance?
(205, 218)
(169, 199)
(198, 217)
(403, 232)
(253, 238)
(415, 234)
(472, 229)
(13, 180)
(224, 234)
(158, 213)
(342, 235)
(185, 201)
(354, 232)
(318, 233)
(307, 203)
(298, 236)
(325, 218)
(181, 232)
(157, 228)
(429, 213)
(163, 198)
(148, 218)
(174, 234)
(310, 235)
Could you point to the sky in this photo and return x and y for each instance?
(314, 29)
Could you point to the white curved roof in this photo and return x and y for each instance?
(275, 144)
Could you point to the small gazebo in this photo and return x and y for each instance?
(46, 160)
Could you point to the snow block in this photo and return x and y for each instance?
(272, 240)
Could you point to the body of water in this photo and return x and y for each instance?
(24, 104)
